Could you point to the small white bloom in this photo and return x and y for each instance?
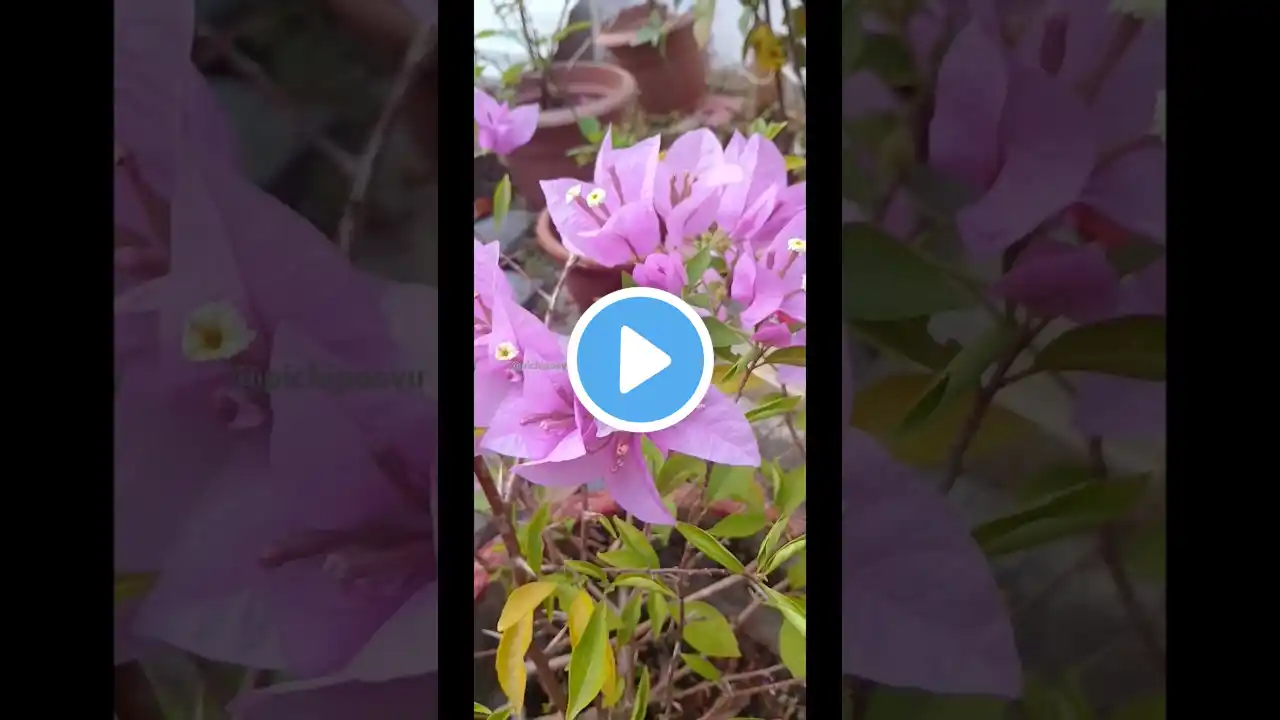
(1157, 125)
(1142, 9)
(215, 331)
(796, 245)
(573, 193)
(505, 351)
(595, 197)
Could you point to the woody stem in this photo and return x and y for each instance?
(546, 678)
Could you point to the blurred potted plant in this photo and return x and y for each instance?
(564, 92)
(663, 48)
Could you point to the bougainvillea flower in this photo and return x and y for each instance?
(662, 271)
(488, 284)
(775, 282)
(1062, 118)
(502, 129)
(1052, 279)
(506, 334)
(747, 205)
(690, 180)
(919, 605)
(302, 550)
(583, 451)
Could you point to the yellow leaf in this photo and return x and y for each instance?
(510, 663)
(880, 408)
(794, 162)
(612, 688)
(770, 55)
(730, 386)
(522, 602)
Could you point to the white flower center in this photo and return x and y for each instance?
(505, 351)
(595, 197)
(573, 193)
(215, 331)
(796, 245)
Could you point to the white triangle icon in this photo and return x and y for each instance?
(639, 361)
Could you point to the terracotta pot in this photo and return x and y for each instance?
(672, 76)
(481, 208)
(597, 90)
(587, 281)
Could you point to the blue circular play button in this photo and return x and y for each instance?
(640, 360)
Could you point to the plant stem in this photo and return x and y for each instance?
(546, 678)
(709, 685)
(423, 39)
(555, 292)
(982, 403)
(1112, 555)
(777, 74)
(791, 50)
(540, 64)
(718, 572)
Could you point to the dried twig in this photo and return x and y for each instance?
(423, 40)
(555, 292)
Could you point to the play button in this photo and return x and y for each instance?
(640, 360)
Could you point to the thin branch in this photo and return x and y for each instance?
(423, 39)
(727, 679)
(555, 292)
(1112, 555)
(546, 677)
(665, 685)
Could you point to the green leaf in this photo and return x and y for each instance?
(852, 36)
(792, 648)
(1132, 347)
(587, 665)
(710, 547)
(701, 666)
(635, 541)
(677, 470)
(730, 481)
(587, 569)
(773, 408)
(659, 611)
(785, 553)
(570, 29)
(707, 631)
(533, 535)
(512, 74)
(590, 129)
(1147, 708)
(503, 714)
(644, 582)
(624, 558)
(1063, 701)
(771, 543)
(794, 356)
(1080, 509)
(478, 709)
(962, 376)
(1051, 481)
(798, 573)
(879, 408)
(721, 335)
(630, 617)
(501, 201)
(697, 266)
(884, 279)
(791, 491)
(739, 525)
(480, 504)
(791, 610)
(1146, 552)
(640, 709)
(652, 455)
(627, 280)
(793, 163)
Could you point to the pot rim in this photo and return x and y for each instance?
(611, 38)
(615, 95)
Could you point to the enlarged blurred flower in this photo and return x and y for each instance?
(612, 219)
(1065, 117)
(919, 605)
(1052, 279)
(502, 129)
(662, 271)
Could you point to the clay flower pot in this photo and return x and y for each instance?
(672, 76)
(587, 281)
(589, 90)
